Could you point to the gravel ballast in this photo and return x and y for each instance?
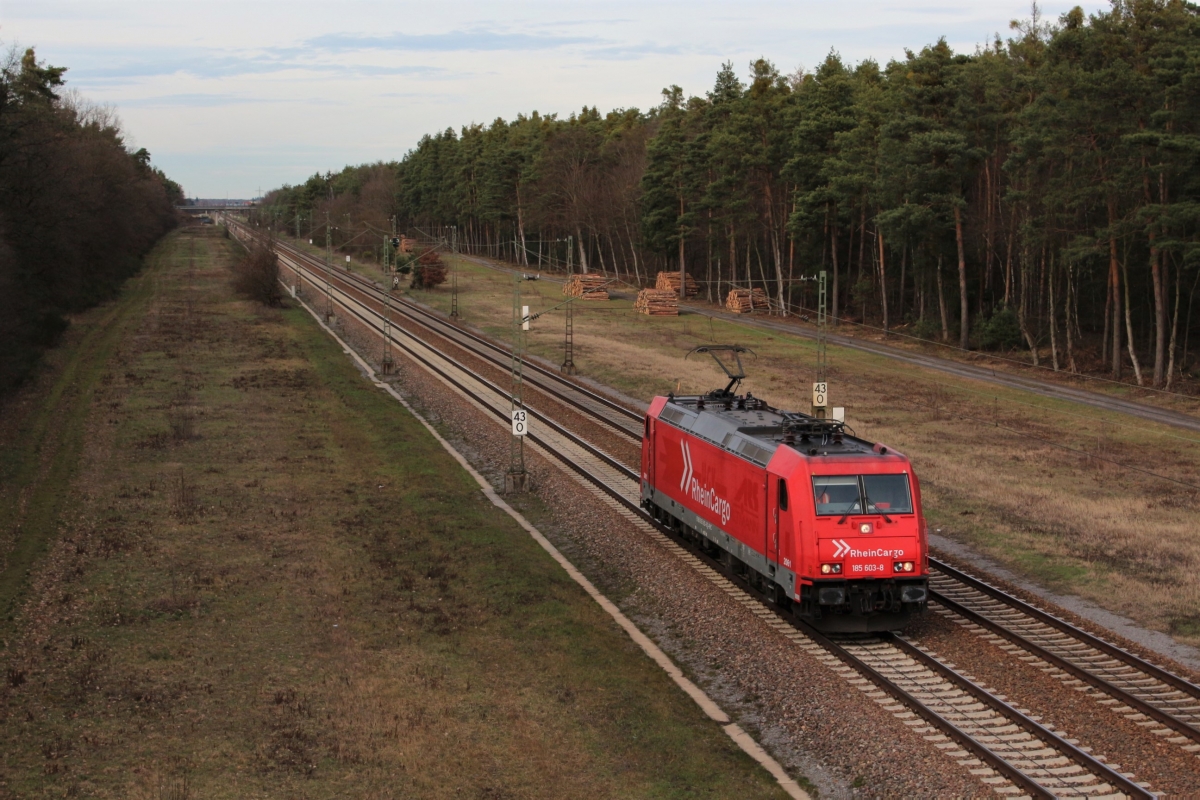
(805, 714)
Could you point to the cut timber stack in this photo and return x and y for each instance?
(588, 286)
(657, 302)
(670, 280)
(744, 301)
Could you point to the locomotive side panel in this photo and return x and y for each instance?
(724, 493)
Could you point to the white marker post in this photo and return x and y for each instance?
(347, 263)
(820, 399)
(820, 394)
(520, 422)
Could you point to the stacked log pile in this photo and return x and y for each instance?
(670, 280)
(429, 271)
(657, 302)
(588, 286)
(745, 301)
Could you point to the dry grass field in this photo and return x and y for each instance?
(1049, 488)
(234, 569)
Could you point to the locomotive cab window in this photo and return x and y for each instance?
(887, 493)
(783, 498)
(837, 494)
(861, 494)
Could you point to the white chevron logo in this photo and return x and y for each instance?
(687, 466)
(841, 548)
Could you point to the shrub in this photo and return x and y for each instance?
(1000, 331)
(257, 276)
(927, 328)
(429, 271)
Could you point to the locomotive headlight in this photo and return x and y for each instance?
(831, 569)
(903, 566)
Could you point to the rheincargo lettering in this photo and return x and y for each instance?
(710, 500)
(876, 553)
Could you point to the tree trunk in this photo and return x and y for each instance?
(1114, 281)
(1053, 319)
(633, 250)
(1160, 312)
(682, 260)
(964, 324)
(862, 238)
(733, 277)
(1008, 248)
(903, 270)
(600, 256)
(1114, 285)
(942, 302)
(1072, 314)
(777, 257)
(1022, 309)
(1137, 368)
(883, 283)
(1187, 327)
(989, 255)
(1174, 330)
(708, 241)
(921, 287)
(1107, 312)
(833, 232)
(583, 265)
(762, 270)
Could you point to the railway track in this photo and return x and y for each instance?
(604, 410)
(1005, 745)
(1142, 691)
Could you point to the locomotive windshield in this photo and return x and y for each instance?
(851, 494)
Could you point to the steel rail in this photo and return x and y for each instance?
(1157, 714)
(946, 726)
(1031, 725)
(410, 309)
(996, 762)
(427, 318)
(1075, 631)
(559, 429)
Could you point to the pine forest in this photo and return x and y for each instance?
(1039, 196)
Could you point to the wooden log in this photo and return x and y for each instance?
(670, 280)
(746, 301)
(657, 303)
(586, 286)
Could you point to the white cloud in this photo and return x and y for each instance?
(233, 96)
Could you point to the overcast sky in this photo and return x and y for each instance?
(231, 97)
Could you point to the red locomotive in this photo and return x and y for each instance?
(820, 520)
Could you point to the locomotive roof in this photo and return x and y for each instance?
(747, 426)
